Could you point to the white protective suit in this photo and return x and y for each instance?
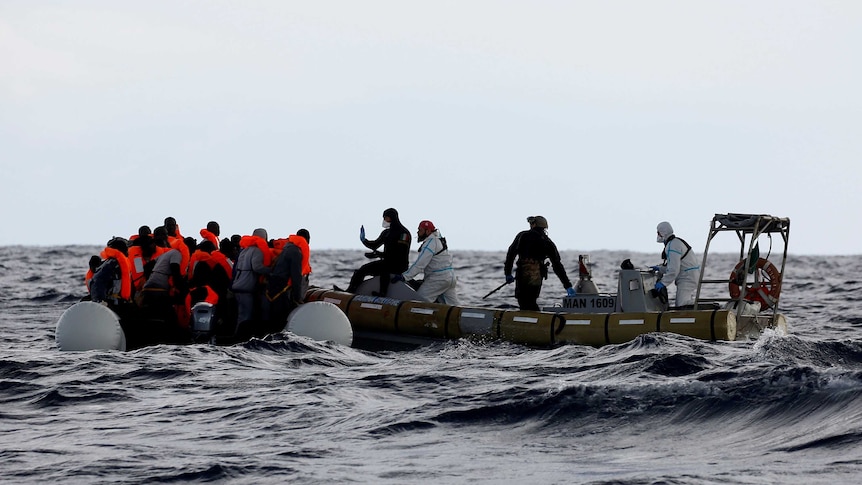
(681, 265)
(439, 283)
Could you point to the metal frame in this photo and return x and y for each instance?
(748, 228)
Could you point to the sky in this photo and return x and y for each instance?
(605, 117)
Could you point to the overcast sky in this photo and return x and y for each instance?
(606, 117)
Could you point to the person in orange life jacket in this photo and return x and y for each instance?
(252, 266)
(211, 233)
(164, 298)
(142, 255)
(395, 239)
(219, 272)
(288, 281)
(229, 249)
(532, 247)
(435, 262)
(200, 288)
(176, 241)
(109, 279)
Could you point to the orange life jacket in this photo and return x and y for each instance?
(125, 272)
(137, 262)
(302, 244)
(247, 241)
(180, 245)
(209, 236)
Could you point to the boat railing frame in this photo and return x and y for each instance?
(748, 229)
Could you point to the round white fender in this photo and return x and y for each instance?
(320, 320)
(89, 326)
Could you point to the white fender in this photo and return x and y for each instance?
(320, 320)
(89, 326)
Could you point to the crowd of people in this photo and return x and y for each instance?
(159, 275)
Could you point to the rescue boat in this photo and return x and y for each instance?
(592, 318)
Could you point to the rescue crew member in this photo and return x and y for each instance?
(395, 239)
(532, 248)
(680, 265)
(434, 261)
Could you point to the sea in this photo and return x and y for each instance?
(660, 409)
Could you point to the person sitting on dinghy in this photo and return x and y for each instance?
(680, 265)
(434, 261)
(533, 247)
(395, 239)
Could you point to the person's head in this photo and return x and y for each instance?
(425, 229)
(144, 231)
(304, 234)
(537, 221)
(119, 244)
(663, 231)
(213, 227)
(390, 215)
(171, 226)
(228, 248)
(191, 244)
(261, 233)
(206, 246)
(160, 236)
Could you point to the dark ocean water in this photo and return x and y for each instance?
(660, 409)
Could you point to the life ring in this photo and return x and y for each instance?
(766, 285)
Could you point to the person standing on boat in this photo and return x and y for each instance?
(252, 266)
(435, 262)
(680, 265)
(395, 239)
(288, 281)
(532, 248)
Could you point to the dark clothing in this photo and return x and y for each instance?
(396, 241)
(532, 248)
(284, 290)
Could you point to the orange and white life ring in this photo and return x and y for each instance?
(766, 285)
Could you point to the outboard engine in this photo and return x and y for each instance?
(203, 322)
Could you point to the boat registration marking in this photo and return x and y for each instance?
(335, 301)
(526, 319)
(632, 322)
(374, 306)
(473, 315)
(578, 322)
(683, 320)
(423, 311)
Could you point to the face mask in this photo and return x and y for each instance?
(385, 224)
(659, 239)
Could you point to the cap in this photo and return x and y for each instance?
(539, 221)
(427, 225)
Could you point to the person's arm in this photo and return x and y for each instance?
(557, 264)
(257, 262)
(375, 244)
(296, 277)
(426, 252)
(510, 255)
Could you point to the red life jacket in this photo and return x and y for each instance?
(247, 241)
(209, 236)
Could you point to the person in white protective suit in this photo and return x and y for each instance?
(680, 266)
(439, 282)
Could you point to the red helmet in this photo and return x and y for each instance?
(427, 225)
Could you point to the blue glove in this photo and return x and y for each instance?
(659, 285)
(656, 269)
(509, 278)
(397, 278)
(571, 292)
(362, 233)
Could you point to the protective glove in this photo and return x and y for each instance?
(571, 292)
(659, 285)
(397, 278)
(509, 278)
(362, 233)
(655, 269)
